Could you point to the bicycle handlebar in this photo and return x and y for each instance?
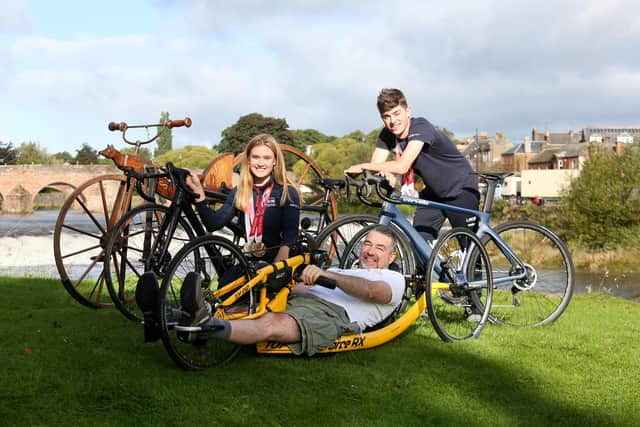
(320, 281)
(176, 175)
(170, 124)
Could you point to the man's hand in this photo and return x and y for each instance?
(310, 274)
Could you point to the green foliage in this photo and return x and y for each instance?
(8, 154)
(62, 157)
(165, 140)
(236, 137)
(335, 157)
(86, 155)
(190, 157)
(602, 206)
(143, 152)
(31, 153)
(372, 136)
(302, 138)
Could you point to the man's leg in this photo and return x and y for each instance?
(271, 326)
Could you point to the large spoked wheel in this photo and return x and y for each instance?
(335, 238)
(305, 173)
(452, 293)
(214, 259)
(544, 291)
(81, 232)
(136, 245)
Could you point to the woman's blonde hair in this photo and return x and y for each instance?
(245, 187)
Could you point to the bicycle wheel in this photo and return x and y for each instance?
(404, 263)
(210, 257)
(544, 293)
(135, 246)
(335, 237)
(451, 292)
(78, 242)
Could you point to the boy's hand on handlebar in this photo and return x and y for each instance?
(194, 184)
(354, 170)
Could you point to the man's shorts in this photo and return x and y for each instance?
(320, 322)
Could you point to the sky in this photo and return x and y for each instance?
(68, 68)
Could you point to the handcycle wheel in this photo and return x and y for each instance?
(305, 174)
(78, 244)
(335, 237)
(210, 257)
(133, 247)
(452, 293)
(544, 294)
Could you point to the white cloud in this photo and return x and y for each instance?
(493, 65)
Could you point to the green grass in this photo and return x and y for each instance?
(65, 364)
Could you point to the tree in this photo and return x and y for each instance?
(31, 153)
(306, 137)
(165, 140)
(602, 205)
(191, 157)
(63, 157)
(334, 157)
(8, 154)
(86, 155)
(236, 137)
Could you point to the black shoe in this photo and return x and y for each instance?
(192, 301)
(147, 300)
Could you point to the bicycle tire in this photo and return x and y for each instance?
(336, 236)
(127, 253)
(209, 256)
(544, 295)
(451, 308)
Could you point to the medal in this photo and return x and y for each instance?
(257, 249)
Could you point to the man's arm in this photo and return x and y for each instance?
(380, 164)
(377, 291)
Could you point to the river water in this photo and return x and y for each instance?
(26, 249)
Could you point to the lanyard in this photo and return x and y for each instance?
(254, 218)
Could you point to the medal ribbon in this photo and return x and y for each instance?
(254, 218)
(407, 178)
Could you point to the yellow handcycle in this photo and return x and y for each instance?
(262, 288)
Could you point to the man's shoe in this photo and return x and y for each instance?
(147, 300)
(193, 302)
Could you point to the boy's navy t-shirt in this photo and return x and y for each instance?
(444, 170)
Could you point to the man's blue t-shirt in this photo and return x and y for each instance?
(444, 170)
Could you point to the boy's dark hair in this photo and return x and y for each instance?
(389, 99)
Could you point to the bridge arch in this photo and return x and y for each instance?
(22, 186)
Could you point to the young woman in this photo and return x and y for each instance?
(266, 204)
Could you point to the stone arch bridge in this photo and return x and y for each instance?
(20, 185)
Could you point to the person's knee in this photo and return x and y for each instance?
(280, 327)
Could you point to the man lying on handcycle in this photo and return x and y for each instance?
(315, 316)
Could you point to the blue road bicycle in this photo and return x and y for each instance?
(531, 268)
